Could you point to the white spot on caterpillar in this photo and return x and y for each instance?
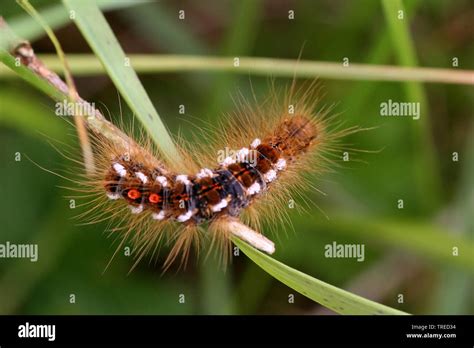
(185, 217)
(120, 169)
(281, 164)
(158, 216)
(255, 143)
(183, 178)
(270, 175)
(227, 161)
(242, 154)
(143, 178)
(219, 206)
(162, 180)
(253, 189)
(113, 196)
(204, 173)
(136, 210)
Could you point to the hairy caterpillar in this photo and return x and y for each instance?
(150, 200)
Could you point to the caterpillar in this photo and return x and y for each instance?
(225, 190)
(150, 200)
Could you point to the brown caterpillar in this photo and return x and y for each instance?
(209, 194)
(276, 143)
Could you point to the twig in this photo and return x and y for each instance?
(95, 121)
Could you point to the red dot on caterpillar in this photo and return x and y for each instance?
(154, 198)
(133, 194)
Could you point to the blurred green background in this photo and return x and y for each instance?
(408, 251)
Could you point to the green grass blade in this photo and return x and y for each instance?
(426, 167)
(95, 29)
(89, 65)
(336, 299)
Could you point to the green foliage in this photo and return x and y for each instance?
(338, 300)
(361, 206)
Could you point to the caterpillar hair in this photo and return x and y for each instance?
(255, 160)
